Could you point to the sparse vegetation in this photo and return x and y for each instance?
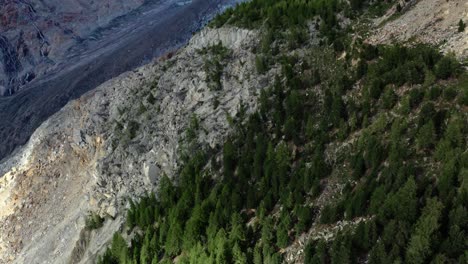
(215, 57)
(94, 221)
(132, 129)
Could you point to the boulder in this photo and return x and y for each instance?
(150, 171)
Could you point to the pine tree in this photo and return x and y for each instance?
(193, 228)
(461, 26)
(166, 192)
(403, 204)
(131, 218)
(197, 255)
(321, 255)
(310, 129)
(426, 135)
(446, 184)
(282, 158)
(304, 215)
(446, 67)
(174, 238)
(238, 256)
(258, 258)
(154, 246)
(222, 251)
(282, 236)
(420, 243)
(268, 168)
(389, 98)
(356, 4)
(145, 255)
(309, 252)
(211, 231)
(228, 159)
(119, 248)
(378, 255)
(237, 233)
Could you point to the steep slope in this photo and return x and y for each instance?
(292, 140)
(430, 21)
(356, 154)
(37, 35)
(114, 143)
(80, 65)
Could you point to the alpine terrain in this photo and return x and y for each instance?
(281, 131)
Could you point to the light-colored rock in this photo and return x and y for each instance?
(428, 21)
(83, 158)
(44, 33)
(151, 172)
(112, 211)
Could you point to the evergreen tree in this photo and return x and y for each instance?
(239, 257)
(258, 257)
(419, 247)
(403, 204)
(321, 254)
(119, 248)
(446, 67)
(193, 228)
(237, 233)
(426, 135)
(229, 159)
(222, 251)
(461, 26)
(282, 236)
(378, 255)
(174, 239)
(267, 231)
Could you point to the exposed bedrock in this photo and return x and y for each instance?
(85, 157)
(149, 31)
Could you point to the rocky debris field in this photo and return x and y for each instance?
(127, 42)
(110, 145)
(36, 36)
(427, 21)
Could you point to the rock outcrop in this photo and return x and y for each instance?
(81, 64)
(115, 143)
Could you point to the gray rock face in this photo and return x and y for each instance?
(38, 35)
(151, 172)
(115, 143)
(53, 51)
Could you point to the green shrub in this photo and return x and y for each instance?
(450, 93)
(415, 97)
(389, 98)
(151, 99)
(434, 92)
(93, 221)
(447, 67)
(214, 63)
(261, 64)
(132, 129)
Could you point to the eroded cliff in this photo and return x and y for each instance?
(114, 143)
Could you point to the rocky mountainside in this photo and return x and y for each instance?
(428, 21)
(37, 36)
(113, 143)
(76, 65)
(285, 136)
